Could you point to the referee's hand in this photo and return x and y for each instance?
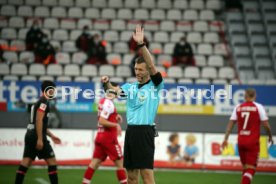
(39, 144)
(138, 35)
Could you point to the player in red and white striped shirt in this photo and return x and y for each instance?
(249, 116)
(106, 143)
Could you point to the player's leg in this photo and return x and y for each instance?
(98, 157)
(114, 152)
(29, 155)
(251, 157)
(242, 159)
(22, 170)
(52, 170)
(147, 176)
(133, 176)
(248, 174)
(121, 173)
(47, 153)
(89, 172)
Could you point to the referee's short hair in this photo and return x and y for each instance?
(140, 60)
(47, 84)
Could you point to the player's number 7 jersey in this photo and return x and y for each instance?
(249, 116)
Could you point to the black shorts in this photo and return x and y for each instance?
(30, 150)
(139, 147)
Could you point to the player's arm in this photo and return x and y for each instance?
(138, 36)
(268, 131)
(55, 139)
(264, 120)
(104, 122)
(230, 126)
(106, 111)
(39, 124)
(228, 132)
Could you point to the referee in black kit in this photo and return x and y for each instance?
(36, 143)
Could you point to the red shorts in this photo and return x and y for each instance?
(249, 154)
(112, 150)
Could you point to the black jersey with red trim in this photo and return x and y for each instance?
(41, 105)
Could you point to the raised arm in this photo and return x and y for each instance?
(106, 82)
(138, 36)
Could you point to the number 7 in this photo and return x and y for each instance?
(246, 115)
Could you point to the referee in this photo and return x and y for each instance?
(142, 103)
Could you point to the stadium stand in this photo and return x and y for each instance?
(246, 50)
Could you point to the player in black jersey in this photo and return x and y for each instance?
(36, 143)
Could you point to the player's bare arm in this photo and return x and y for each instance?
(268, 131)
(227, 133)
(54, 138)
(104, 122)
(39, 125)
(138, 36)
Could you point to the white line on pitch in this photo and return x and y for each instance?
(41, 181)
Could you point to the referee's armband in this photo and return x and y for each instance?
(122, 94)
(156, 79)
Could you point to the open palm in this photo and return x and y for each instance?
(138, 36)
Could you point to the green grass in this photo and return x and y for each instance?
(74, 176)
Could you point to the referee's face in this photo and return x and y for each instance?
(141, 72)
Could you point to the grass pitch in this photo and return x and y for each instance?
(105, 176)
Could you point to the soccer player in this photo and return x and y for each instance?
(249, 117)
(142, 103)
(36, 143)
(106, 143)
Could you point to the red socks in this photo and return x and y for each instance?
(247, 176)
(121, 175)
(88, 175)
